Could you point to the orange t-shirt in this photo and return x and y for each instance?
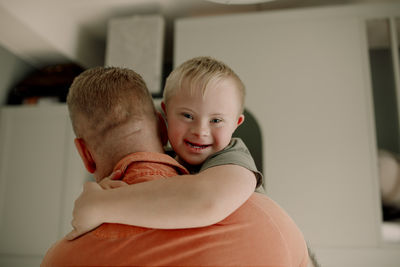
(259, 233)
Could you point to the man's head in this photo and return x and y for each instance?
(203, 103)
(111, 112)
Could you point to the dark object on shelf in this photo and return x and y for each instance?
(51, 81)
(390, 213)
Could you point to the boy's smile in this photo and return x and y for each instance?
(200, 125)
(196, 146)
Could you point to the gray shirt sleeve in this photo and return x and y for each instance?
(235, 153)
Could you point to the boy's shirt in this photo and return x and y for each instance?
(236, 153)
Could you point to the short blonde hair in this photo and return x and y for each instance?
(200, 73)
(103, 98)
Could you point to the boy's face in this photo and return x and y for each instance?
(198, 125)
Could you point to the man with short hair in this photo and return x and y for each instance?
(117, 128)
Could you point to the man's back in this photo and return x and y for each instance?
(258, 233)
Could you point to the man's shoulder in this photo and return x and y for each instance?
(263, 210)
(263, 203)
(270, 214)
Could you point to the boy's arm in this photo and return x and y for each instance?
(184, 201)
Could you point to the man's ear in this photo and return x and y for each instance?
(240, 120)
(164, 108)
(85, 154)
(163, 129)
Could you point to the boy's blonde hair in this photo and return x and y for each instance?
(102, 98)
(200, 73)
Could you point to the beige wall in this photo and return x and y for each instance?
(309, 88)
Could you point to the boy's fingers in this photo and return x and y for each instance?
(74, 232)
(110, 184)
(116, 175)
(72, 235)
(90, 185)
(117, 183)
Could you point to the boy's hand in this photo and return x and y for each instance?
(112, 181)
(85, 214)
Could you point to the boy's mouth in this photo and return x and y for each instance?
(195, 145)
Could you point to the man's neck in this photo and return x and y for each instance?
(124, 141)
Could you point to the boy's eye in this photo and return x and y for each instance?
(187, 115)
(216, 120)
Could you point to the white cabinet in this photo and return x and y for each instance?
(308, 85)
(40, 176)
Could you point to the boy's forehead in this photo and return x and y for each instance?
(208, 86)
(221, 97)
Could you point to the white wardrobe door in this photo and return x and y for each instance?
(308, 86)
(32, 186)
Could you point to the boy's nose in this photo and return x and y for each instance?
(200, 130)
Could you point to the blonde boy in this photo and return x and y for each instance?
(203, 104)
